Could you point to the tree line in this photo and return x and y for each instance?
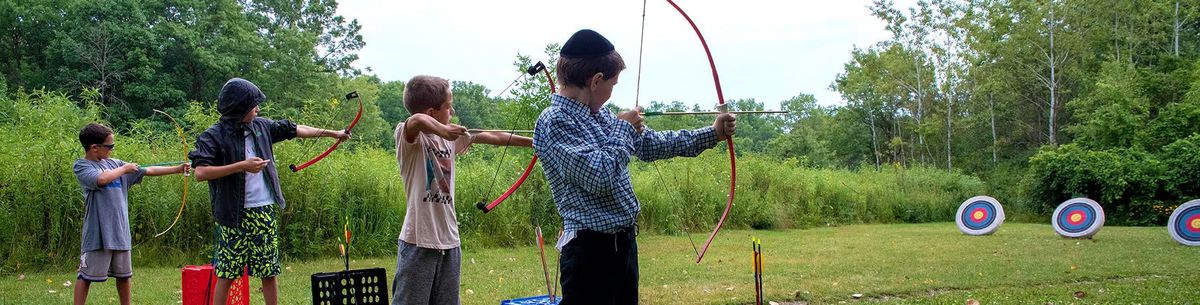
(1010, 91)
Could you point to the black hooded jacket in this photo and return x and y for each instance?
(224, 143)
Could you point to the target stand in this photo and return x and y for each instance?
(358, 286)
(1184, 225)
(979, 215)
(1078, 218)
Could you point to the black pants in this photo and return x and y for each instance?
(599, 268)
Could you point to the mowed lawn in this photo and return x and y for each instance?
(901, 263)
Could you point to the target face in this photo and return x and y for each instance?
(979, 215)
(1079, 217)
(1185, 223)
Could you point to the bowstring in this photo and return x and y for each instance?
(636, 102)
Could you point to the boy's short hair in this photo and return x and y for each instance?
(93, 134)
(424, 92)
(576, 71)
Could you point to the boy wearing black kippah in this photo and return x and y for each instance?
(585, 152)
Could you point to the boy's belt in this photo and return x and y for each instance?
(624, 233)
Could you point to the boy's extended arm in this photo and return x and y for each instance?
(110, 175)
(303, 131)
(166, 170)
(656, 145)
(421, 122)
(502, 139)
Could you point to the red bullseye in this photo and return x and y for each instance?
(1193, 223)
(978, 214)
(1075, 218)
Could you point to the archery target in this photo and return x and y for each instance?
(979, 215)
(1078, 218)
(1185, 223)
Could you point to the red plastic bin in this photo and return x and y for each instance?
(197, 292)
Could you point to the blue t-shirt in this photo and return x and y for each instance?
(106, 220)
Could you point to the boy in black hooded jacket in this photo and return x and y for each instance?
(234, 156)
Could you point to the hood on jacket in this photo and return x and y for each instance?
(238, 97)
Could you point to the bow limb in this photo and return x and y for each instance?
(492, 205)
(183, 198)
(296, 168)
(729, 140)
(488, 207)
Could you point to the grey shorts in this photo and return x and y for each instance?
(426, 276)
(99, 265)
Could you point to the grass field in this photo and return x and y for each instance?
(891, 264)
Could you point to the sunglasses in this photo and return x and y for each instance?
(109, 146)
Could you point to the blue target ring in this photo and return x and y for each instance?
(1185, 223)
(1185, 227)
(1078, 218)
(979, 215)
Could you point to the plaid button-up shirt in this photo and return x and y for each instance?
(586, 155)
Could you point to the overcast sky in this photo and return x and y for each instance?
(766, 50)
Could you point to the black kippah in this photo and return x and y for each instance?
(586, 43)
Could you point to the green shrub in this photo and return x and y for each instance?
(1182, 162)
(1126, 182)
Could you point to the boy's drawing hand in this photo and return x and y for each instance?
(254, 164)
(725, 126)
(129, 167)
(634, 117)
(452, 131)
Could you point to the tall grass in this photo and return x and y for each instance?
(773, 194)
(41, 206)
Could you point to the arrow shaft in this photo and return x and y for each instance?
(659, 113)
(499, 130)
(165, 163)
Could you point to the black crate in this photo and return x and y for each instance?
(360, 287)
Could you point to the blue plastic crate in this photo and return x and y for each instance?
(542, 299)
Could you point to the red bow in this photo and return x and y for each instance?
(339, 141)
(488, 207)
(732, 156)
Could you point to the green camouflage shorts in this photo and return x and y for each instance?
(253, 244)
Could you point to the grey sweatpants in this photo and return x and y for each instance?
(426, 276)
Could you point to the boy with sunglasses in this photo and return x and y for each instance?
(106, 240)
